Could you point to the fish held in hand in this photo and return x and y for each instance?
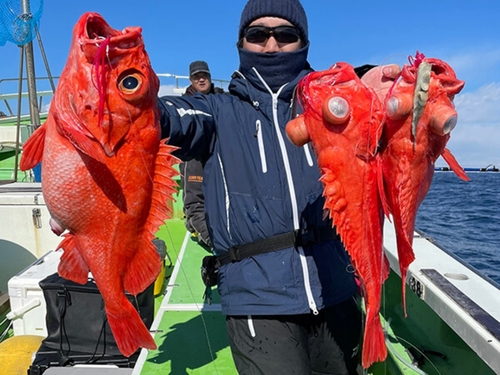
(420, 115)
(342, 118)
(106, 174)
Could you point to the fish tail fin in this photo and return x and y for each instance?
(453, 163)
(128, 329)
(374, 348)
(143, 269)
(163, 188)
(72, 266)
(33, 149)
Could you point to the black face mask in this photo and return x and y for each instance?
(275, 68)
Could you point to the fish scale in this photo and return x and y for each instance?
(416, 131)
(346, 148)
(106, 174)
(377, 158)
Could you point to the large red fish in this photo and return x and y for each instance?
(343, 120)
(420, 116)
(106, 175)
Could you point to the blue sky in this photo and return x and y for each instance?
(463, 33)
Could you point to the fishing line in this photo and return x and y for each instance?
(412, 366)
(184, 273)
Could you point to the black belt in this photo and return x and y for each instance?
(281, 241)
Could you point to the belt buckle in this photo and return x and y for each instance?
(310, 237)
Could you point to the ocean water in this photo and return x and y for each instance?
(464, 218)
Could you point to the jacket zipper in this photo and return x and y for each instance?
(226, 194)
(293, 200)
(303, 259)
(260, 141)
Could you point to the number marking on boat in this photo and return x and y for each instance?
(416, 286)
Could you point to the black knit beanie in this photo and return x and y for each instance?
(290, 10)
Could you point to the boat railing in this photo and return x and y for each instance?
(181, 82)
(9, 96)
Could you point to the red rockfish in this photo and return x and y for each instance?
(419, 118)
(106, 174)
(343, 120)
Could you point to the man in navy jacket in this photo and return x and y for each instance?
(290, 305)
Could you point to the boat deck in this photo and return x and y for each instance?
(451, 309)
(190, 334)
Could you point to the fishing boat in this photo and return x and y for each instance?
(452, 325)
(453, 311)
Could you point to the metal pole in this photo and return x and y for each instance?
(30, 74)
(19, 101)
(42, 51)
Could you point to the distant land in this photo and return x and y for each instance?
(488, 168)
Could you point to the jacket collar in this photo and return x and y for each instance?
(252, 86)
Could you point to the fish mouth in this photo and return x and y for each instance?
(92, 30)
(97, 28)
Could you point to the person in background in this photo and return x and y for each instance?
(201, 80)
(192, 171)
(285, 281)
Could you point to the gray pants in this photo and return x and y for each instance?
(297, 344)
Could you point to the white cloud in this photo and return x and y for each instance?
(476, 66)
(475, 140)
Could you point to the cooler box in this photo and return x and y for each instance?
(26, 296)
(24, 219)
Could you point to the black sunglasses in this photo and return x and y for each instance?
(260, 34)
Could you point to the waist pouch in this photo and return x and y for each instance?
(212, 263)
(77, 326)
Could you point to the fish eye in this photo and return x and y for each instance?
(130, 83)
(336, 110)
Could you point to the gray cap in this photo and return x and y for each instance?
(198, 67)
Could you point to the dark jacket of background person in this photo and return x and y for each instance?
(192, 196)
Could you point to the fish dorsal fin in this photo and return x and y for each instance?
(164, 187)
(145, 266)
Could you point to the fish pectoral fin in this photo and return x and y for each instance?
(453, 163)
(72, 266)
(143, 269)
(33, 149)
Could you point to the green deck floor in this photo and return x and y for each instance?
(191, 335)
(192, 339)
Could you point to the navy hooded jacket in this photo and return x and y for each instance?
(257, 185)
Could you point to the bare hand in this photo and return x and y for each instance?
(381, 78)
